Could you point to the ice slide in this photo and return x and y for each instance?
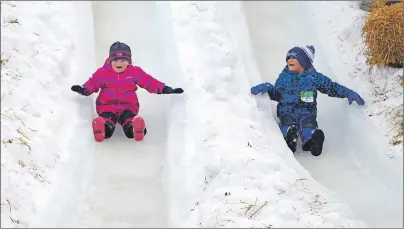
(351, 164)
(119, 183)
(124, 188)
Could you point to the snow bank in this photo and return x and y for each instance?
(342, 35)
(380, 88)
(45, 140)
(230, 171)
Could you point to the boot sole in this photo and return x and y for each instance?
(138, 125)
(318, 140)
(99, 129)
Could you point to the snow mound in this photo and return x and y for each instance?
(41, 57)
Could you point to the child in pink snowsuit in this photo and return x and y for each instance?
(117, 101)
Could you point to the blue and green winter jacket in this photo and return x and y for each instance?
(297, 93)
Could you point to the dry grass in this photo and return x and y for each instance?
(383, 34)
(4, 59)
(398, 125)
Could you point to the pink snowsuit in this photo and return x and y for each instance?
(118, 90)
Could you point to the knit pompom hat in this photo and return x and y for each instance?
(305, 55)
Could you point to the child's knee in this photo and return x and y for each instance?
(126, 116)
(287, 120)
(109, 117)
(308, 121)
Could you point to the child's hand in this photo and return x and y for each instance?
(261, 88)
(169, 90)
(79, 89)
(353, 96)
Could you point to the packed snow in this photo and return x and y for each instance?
(45, 134)
(213, 156)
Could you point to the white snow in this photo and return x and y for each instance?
(213, 156)
(42, 153)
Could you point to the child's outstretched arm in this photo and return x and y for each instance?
(153, 85)
(273, 93)
(90, 86)
(327, 86)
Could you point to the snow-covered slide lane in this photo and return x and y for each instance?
(351, 164)
(124, 187)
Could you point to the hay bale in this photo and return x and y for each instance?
(367, 4)
(383, 34)
(374, 5)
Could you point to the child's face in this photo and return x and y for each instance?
(119, 65)
(294, 65)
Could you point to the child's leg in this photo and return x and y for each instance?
(110, 122)
(133, 126)
(289, 129)
(312, 137)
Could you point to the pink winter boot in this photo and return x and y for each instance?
(138, 125)
(99, 129)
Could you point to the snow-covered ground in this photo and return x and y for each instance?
(216, 149)
(45, 136)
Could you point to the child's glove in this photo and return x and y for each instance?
(261, 88)
(169, 90)
(353, 96)
(79, 89)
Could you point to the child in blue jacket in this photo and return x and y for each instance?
(295, 90)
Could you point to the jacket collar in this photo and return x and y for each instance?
(305, 73)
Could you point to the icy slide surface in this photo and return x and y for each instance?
(349, 165)
(124, 188)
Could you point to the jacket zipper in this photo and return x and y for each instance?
(118, 89)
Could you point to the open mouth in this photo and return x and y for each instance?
(118, 67)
